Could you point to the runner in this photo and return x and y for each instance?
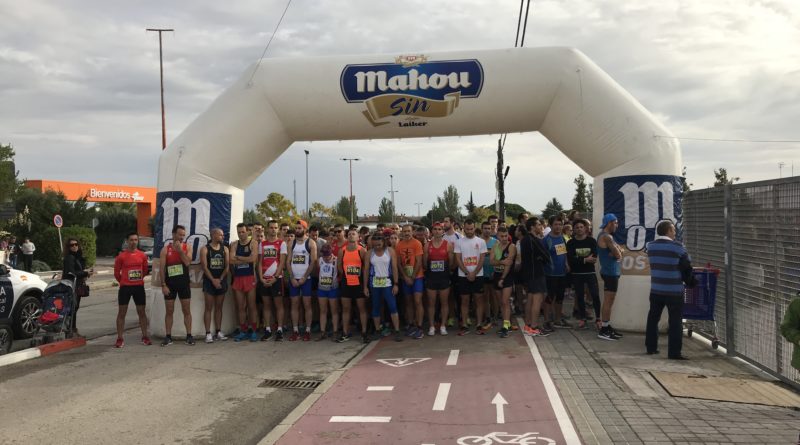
(534, 257)
(438, 260)
(351, 259)
(503, 255)
(378, 283)
(284, 231)
(214, 260)
(556, 272)
(258, 232)
(469, 252)
(175, 259)
(328, 292)
(303, 255)
(582, 256)
(492, 297)
(610, 255)
(243, 255)
(409, 252)
(130, 268)
(422, 235)
(339, 240)
(494, 223)
(272, 260)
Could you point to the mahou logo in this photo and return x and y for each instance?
(198, 212)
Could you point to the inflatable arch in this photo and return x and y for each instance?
(557, 91)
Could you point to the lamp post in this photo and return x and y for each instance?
(418, 211)
(392, 191)
(161, 69)
(352, 204)
(780, 169)
(308, 215)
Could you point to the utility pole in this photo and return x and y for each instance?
(419, 215)
(161, 69)
(500, 181)
(294, 193)
(780, 169)
(308, 214)
(392, 191)
(352, 199)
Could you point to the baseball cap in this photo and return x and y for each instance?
(437, 224)
(609, 217)
(302, 223)
(388, 232)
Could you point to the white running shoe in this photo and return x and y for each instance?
(443, 330)
(221, 336)
(209, 338)
(432, 331)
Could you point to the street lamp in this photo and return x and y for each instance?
(780, 169)
(308, 215)
(352, 204)
(161, 70)
(418, 211)
(392, 191)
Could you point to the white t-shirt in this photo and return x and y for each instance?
(470, 250)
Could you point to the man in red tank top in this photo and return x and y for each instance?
(130, 268)
(272, 260)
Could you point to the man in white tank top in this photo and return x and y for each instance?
(303, 253)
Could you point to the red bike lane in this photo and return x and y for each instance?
(440, 390)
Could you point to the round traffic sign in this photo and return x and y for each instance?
(58, 221)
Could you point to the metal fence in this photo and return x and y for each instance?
(757, 227)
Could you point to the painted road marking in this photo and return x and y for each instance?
(453, 359)
(441, 397)
(400, 362)
(360, 419)
(503, 437)
(499, 403)
(380, 388)
(564, 422)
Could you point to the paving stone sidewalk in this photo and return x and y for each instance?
(610, 394)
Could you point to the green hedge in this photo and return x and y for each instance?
(48, 250)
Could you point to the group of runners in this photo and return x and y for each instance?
(392, 281)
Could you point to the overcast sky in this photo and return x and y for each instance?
(79, 91)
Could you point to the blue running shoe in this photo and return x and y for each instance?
(254, 335)
(241, 336)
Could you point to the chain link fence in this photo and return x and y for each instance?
(762, 274)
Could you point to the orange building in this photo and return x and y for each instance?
(143, 197)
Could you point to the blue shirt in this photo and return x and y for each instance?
(609, 266)
(488, 269)
(557, 247)
(665, 257)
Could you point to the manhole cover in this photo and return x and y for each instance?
(290, 384)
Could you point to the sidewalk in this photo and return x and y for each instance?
(612, 396)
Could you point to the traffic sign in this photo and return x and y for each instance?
(58, 221)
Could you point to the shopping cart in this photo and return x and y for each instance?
(698, 302)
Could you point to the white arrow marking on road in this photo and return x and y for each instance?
(498, 401)
(400, 362)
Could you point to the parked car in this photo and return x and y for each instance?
(20, 300)
(146, 245)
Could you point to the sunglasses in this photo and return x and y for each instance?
(73, 244)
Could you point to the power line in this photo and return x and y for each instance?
(258, 65)
(775, 141)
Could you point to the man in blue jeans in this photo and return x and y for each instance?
(670, 268)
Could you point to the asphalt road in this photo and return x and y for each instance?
(149, 394)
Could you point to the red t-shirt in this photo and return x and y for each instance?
(130, 268)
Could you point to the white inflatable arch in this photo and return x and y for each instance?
(557, 91)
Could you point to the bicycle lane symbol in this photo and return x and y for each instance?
(506, 438)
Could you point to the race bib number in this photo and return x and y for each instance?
(583, 252)
(217, 263)
(409, 270)
(380, 281)
(175, 270)
(270, 252)
(298, 259)
(243, 266)
(353, 270)
(437, 266)
(561, 249)
(135, 275)
(499, 268)
(326, 281)
(471, 261)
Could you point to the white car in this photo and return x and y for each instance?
(20, 300)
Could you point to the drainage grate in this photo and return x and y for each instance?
(290, 384)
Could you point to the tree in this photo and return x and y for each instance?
(580, 201)
(513, 210)
(590, 200)
(480, 214)
(686, 185)
(251, 216)
(277, 207)
(9, 185)
(40, 210)
(115, 221)
(448, 202)
(470, 205)
(385, 210)
(721, 178)
(342, 208)
(553, 207)
(320, 214)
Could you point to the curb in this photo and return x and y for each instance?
(41, 351)
(285, 424)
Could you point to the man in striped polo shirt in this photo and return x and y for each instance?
(670, 268)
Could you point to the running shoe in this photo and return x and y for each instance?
(364, 338)
(242, 335)
(323, 336)
(514, 327)
(547, 328)
(527, 330)
(146, 341)
(189, 340)
(614, 331)
(606, 334)
(480, 330)
(562, 324)
(487, 325)
(581, 324)
(463, 331)
(119, 343)
(295, 336)
(279, 335)
(343, 338)
(443, 330)
(503, 333)
(386, 331)
(307, 336)
(398, 336)
(418, 334)
(410, 330)
(431, 331)
(254, 335)
(167, 341)
(451, 322)
(267, 335)
(209, 338)
(221, 336)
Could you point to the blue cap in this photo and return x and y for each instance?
(609, 217)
